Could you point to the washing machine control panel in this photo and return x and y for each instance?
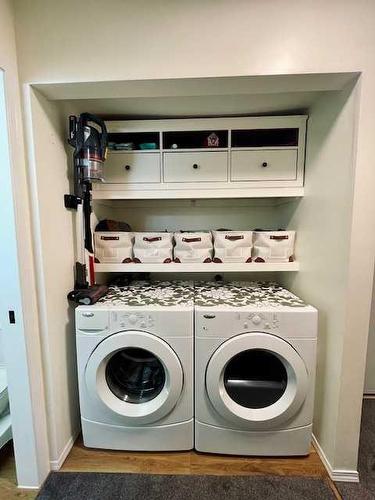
(132, 320)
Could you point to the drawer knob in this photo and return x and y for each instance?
(127, 167)
(195, 166)
(264, 164)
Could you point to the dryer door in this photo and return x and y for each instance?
(135, 375)
(256, 380)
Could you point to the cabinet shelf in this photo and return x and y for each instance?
(197, 268)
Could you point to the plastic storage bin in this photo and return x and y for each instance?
(153, 248)
(113, 247)
(193, 247)
(273, 246)
(232, 246)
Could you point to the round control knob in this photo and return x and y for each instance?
(256, 319)
(127, 167)
(195, 166)
(133, 319)
(264, 164)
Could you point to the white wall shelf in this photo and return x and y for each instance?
(117, 192)
(197, 268)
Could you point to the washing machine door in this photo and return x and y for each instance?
(136, 375)
(256, 380)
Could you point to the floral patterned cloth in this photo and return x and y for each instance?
(242, 294)
(201, 293)
(145, 293)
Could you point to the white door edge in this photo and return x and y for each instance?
(26, 394)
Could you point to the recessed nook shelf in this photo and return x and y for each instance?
(197, 268)
(117, 192)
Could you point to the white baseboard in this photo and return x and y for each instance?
(349, 476)
(21, 487)
(56, 464)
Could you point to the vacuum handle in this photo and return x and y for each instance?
(87, 219)
(72, 130)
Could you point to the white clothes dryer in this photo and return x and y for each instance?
(255, 355)
(135, 368)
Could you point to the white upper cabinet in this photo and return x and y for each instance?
(205, 158)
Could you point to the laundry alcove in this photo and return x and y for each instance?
(322, 217)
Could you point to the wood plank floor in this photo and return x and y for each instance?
(8, 481)
(190, 462)
(82, 459)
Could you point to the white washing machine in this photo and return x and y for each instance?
(135, 368)
(255, 355)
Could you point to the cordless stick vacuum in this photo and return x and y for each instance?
(88, 136)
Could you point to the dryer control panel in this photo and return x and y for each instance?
(294, 323)
(237, 322)
(261, 320)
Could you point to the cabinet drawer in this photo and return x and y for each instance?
(202, 166)
(264, 165)
(127, 168)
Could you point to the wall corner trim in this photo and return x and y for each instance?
(57, 464)
(342, 475)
